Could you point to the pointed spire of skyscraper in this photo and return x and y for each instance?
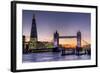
(33, 28)
(33, 34)
(33, 16)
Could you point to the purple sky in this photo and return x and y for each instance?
(67, 23)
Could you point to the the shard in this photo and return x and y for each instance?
(33, 28)
(33, 34)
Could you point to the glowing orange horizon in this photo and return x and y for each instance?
(64, 42)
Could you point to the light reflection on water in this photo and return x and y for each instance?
(51, 56)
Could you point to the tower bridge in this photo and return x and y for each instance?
(57, 37)
(73, 51)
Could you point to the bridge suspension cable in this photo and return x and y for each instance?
(85, 42)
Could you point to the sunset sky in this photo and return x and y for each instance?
(66, 23)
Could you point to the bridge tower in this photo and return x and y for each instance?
(78, 39)
(56, 39)
(78, 47)
(56, 42)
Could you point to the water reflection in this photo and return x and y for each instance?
(51, 56)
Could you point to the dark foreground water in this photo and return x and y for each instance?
(51, 56)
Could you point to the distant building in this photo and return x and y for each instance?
(42, 44)
(23, 43)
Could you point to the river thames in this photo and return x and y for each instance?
(51, 56)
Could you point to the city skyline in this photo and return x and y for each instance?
(66, 23)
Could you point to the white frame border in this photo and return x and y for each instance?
(21, 65)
